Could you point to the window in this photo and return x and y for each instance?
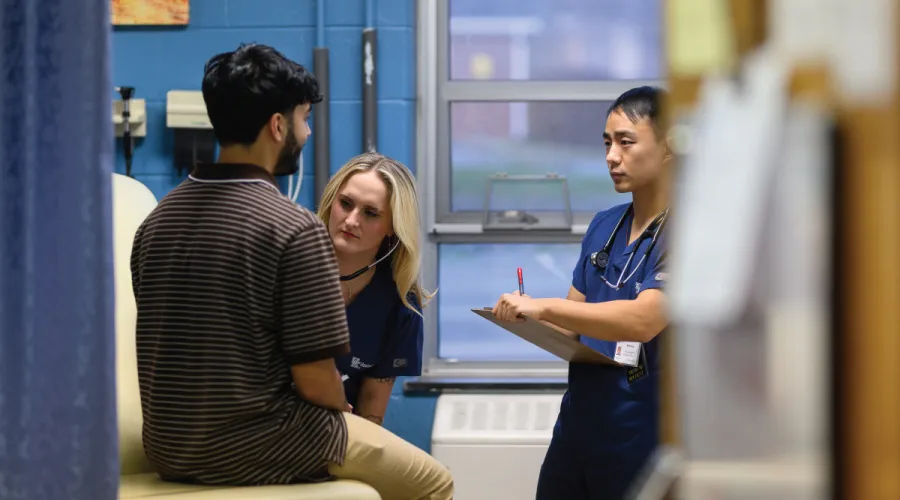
(547, 273)
(511, 162)
(533, 138)
(555, 40)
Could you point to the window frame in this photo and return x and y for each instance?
(435, 94)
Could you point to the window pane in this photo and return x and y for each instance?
(556, 40)
(475, 275)
(529, 138)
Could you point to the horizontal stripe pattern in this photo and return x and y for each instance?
(234, 283)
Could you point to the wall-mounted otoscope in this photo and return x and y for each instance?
(127, 142)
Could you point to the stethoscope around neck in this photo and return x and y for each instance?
(600, 259)
(370, 266)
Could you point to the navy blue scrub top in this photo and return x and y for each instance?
(615, 408)
(385, 336)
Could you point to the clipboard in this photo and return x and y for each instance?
(549, 340)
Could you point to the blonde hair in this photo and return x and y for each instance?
(406, 259)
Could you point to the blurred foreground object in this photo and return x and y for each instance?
(784, 346)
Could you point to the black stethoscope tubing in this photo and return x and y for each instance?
(370, 266)
(600, 259)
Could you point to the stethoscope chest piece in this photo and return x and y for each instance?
(600, 259)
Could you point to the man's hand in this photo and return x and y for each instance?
(319, 383)
(512, 306)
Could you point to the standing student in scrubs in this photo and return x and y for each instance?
(371, 210)
(608, 423)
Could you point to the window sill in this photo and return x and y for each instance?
(422, 386)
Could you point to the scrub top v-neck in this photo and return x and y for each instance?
(386, 337)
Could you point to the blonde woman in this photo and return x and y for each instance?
(371, 210)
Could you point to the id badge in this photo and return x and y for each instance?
(628, 353)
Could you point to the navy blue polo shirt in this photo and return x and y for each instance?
(613, 411)
(385, 336)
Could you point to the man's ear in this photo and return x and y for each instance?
(277, 127)
(669, 155)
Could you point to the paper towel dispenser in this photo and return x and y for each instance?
(195, 141)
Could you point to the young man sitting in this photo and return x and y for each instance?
(240, 311)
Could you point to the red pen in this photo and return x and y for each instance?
(521, 283)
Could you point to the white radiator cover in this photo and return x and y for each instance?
(494, 444)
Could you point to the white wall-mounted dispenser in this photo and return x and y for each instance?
(195, 141)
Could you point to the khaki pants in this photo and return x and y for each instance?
(397, 469)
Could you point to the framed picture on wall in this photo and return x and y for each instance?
(150, 12)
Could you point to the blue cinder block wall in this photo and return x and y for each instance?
(158, 59)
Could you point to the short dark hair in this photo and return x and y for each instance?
(244, 88)
(641, 102)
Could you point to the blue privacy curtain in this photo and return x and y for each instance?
(58, 437)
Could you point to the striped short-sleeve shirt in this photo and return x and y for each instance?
(234, 283)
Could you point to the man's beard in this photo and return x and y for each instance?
(289, 157)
